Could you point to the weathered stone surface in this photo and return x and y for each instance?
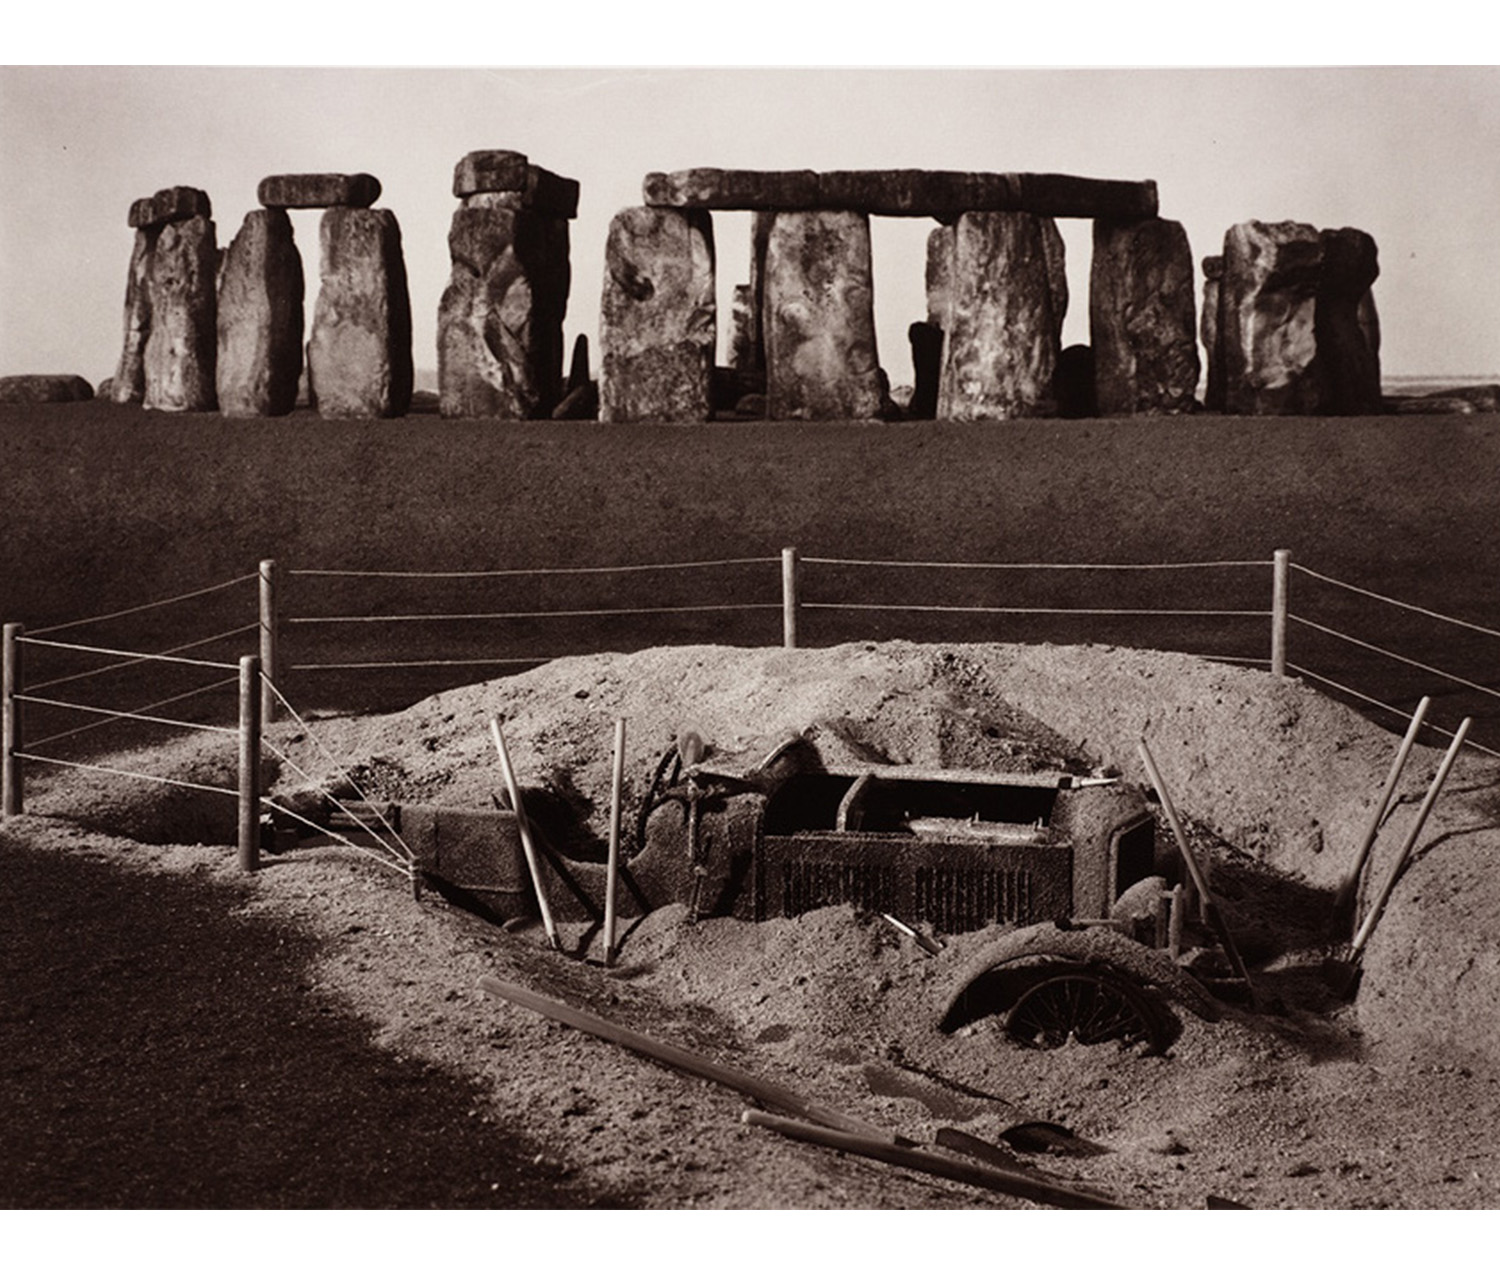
(1213, 274)
(128, 385)
(1348, 361)
(105, 390)
(1267, 318)
(183, 341)
(175, 203)
(939, 275)
(318, 190)
(260, 318)
(509, 173)
(1002, 337)
(744, 330)
(44, 388)
(755, 324)
(1142, 320)
(819, 318)
(1056, 255)
(359, 355)
(658, 317)
(500, 320)
(902, 192)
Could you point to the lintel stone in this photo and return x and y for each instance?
(318, 190)
(902, 192)
(510, 172)
(174, 203)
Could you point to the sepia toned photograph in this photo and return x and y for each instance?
(689, 638)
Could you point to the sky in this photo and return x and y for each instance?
(1403, 152)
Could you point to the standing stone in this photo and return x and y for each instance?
(1213, 274)
(1003, 339)
(129, 382)
(500, 320)
(260, 318)
(1348, 357)
(1142, 320)
(745, 351)
(939, 275)
(658, 317)
(1267, 318)
(1055, 252)
(819, 318)
(926, 341)
(359, 356)
(183, 340)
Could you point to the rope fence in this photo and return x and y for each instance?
(836, 584)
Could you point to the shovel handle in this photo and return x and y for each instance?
(1382, 807)
(523, 827)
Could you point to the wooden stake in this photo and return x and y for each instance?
(611, 879)
(789, 598)
(524, 828)
(270, 639)
(1344, 899)
(1195, 870)
(1280, 562)
(11, 800)
(1428, 802)
(249, 810)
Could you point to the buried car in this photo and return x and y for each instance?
(1066, 866)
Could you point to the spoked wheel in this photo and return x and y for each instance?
(1088, 1006)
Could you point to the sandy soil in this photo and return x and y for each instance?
(1391, 1101)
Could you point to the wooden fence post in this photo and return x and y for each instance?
(1279, 573)
(270, 634)
(789, 598)
(10, 711)
(249, 823)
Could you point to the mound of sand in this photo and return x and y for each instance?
(1276, 772)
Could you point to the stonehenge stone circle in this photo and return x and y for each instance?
(1002, 336)
(500, 319)
(819, 318)
(1142, 319)
(658, 317)
(359, 356)
(260, 318)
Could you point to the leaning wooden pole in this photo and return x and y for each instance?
(249, 820)
(1195, 870)
(11, 800)
(763, 1091)
(1399, 863)
(1343, 900)
(523, 827)
(611, 879)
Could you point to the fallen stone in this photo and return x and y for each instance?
(318, 190)
(658, 317)
(105, 390)
(175, 203)
(1483, 398)
(819, 318)
(1348, 364)
(182, 345)
(509, 173)
(1436, 405)
(260, 318)
(901, 192)
(1003, 340)
(500, 338)
(1142, 320)
(129, 382)
(44, 388)
(927, 368)
(1208, 328)
(1267, 318)
(359, 354)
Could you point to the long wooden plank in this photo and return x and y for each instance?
(1018, 1184)
(763, 1091)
